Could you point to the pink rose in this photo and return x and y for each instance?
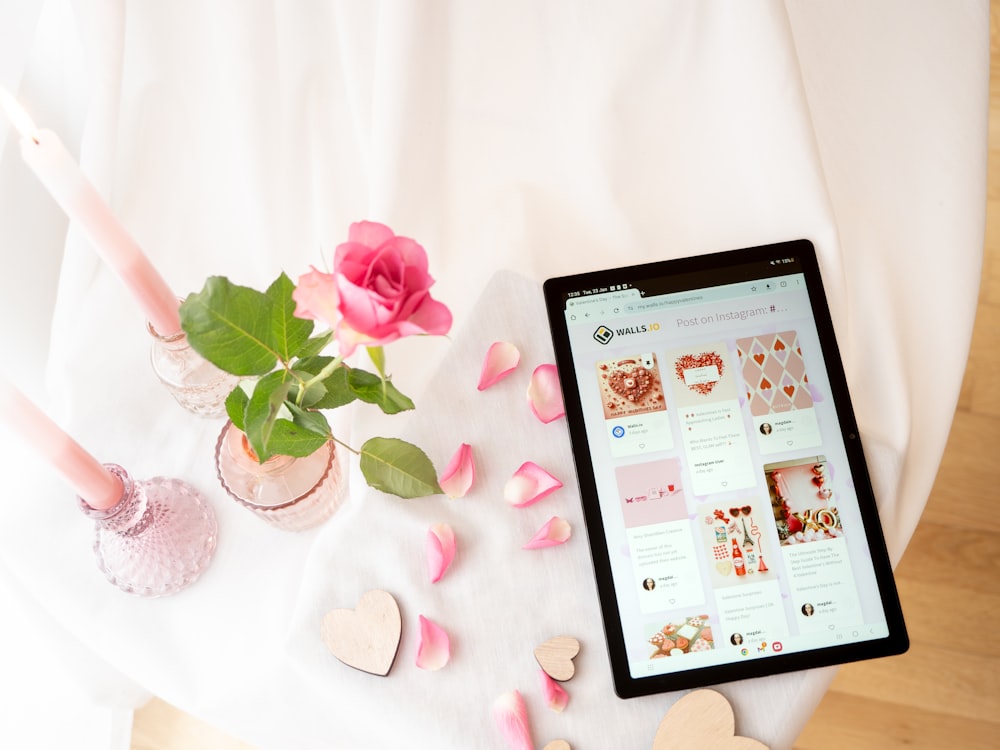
(377, 293)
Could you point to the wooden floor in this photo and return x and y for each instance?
(944, 693)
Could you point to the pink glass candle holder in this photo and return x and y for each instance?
(294, 494)
(194, 382)
(159, 537)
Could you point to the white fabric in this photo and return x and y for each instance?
(242, 138)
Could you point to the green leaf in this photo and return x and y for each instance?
(336, 390)
(289, 439)
(230, 326)
(313, 421)
(262, 411)
(315, 345)
(377, 355)
(398, 467)
(373, 390)
(236, 407)
(287, 333)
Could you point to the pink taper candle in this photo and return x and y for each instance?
(98, 487)
(51, 162)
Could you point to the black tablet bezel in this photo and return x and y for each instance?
(671, 275)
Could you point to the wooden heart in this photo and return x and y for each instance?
(704, 720)
(557, 745)
(555, 657)
(705, 359)
(631, 384)
(366, 637)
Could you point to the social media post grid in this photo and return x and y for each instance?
(778, 392)
(634, 404)
(713, 434)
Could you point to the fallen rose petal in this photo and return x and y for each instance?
(440, 550)
(459, 474)
(501, 359)
(545, 395)
(435, 647)
(555, 696)
(529, 484)
(555, 531)
(511, 716)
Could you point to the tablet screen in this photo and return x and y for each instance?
(729, 510)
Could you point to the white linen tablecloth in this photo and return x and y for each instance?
(241, 138)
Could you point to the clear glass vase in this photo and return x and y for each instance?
(293, 494)
(159, 537)
(195, 383)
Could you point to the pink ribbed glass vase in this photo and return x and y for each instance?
(294, 494)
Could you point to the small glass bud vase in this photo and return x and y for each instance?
(159, 537)
(195, 383)
(293, 494)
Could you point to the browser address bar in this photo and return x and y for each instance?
(659, 304)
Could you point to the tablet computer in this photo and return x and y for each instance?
(730, 514)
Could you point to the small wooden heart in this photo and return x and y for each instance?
(702, 719)
(557, 745)
(366, 637)
(555, 657)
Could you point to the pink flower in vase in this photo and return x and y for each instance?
(378, 291)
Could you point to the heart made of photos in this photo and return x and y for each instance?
(702, 720)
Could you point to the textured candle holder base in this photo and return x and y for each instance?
(159, 537)
(195, 383)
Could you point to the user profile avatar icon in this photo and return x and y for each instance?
(618, 431)
(603, 335)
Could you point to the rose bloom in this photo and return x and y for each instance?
(378, 291)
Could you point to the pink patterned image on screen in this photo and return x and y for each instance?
(777, 389)
(775, 373)
(651, 492)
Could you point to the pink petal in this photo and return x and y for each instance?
(369, 233)
(529, 484)
(316, 298)
(440, 550)
(511, 717)
(501, 359)
(435, 648)
(555, 531)
(545, 395)
(459, 474)
(431, 317)
(555, 696)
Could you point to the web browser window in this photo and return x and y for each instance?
(707, 429)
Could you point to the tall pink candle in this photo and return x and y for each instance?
(52, 164)
(98, 487)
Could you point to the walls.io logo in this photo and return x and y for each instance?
(603, 335)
